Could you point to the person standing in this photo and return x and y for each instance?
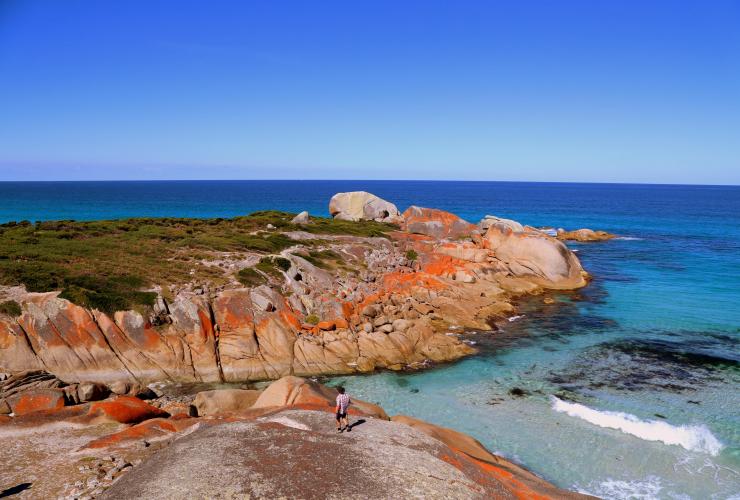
(343, 403)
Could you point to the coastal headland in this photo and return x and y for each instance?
(93, 313)
(261, 297)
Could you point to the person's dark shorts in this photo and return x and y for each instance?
(341, 415)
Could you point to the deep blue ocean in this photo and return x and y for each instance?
(632, 385)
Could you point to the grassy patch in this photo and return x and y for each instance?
(273, 265)
(250, 277)
(322, 258)
(11, 308)
(412, 255)
(312, 319)
(323, 225)
(107, 264)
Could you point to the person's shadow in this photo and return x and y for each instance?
(356, 423)
(14, 490)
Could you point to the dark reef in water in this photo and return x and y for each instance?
(642, 364)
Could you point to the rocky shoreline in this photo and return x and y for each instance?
(326, 304)
(277, 442)
(352, 304)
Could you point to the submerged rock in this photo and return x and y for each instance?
(584, 235)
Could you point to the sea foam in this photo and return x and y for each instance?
(692, 437)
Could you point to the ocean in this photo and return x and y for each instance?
(628, 388)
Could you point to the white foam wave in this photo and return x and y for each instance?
(692, 437)
(515, 317)
(647, 489)
(628, 238)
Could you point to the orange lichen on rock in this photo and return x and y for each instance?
(38, 400)
(442, 265)
(435, 223)
(126, 410)
(148, 430)
(399, 282)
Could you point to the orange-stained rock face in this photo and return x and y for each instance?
(148, 430)
(261, 333)
(37, 400)
(469, 453)
(125, 410)
(435, 223)
(535, 255)
(16, 353)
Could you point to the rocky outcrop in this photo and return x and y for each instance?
(127, 448)
(514, 477)
(492, 220)
(308, 459)
(584, 235)
(373, 303)
(435, 223)
(361, 205)
(536, 256)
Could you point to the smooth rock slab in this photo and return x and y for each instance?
(298, 454)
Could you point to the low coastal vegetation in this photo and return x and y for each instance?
(11, 308)
(113, 265)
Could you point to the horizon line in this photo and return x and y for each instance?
(677, 184)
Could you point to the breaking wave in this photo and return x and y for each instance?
(692, 437)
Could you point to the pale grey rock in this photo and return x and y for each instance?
(224, 400)
(492, 220)
(260, 460)
(301, 218)
(91, 391)
(361, 205)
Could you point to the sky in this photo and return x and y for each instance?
(590, 91)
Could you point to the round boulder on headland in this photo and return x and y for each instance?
(361, 205)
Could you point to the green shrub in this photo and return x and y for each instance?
(11, 308)
(412, 255)
(250, 277)
(273, 265)
(312, 319)
(107, 294)
(319, 258)
(106, 264)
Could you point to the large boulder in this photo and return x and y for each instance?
(361, 205)
(224, 400)
(435, 223)
(37, 400)
(124, 410)
(492, 220)
(91, 391)
(536, 256)
(296, 391)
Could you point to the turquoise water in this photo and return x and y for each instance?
(644, 362)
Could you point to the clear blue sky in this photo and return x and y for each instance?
(614, 91)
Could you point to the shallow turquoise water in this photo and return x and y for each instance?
(654, 338)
